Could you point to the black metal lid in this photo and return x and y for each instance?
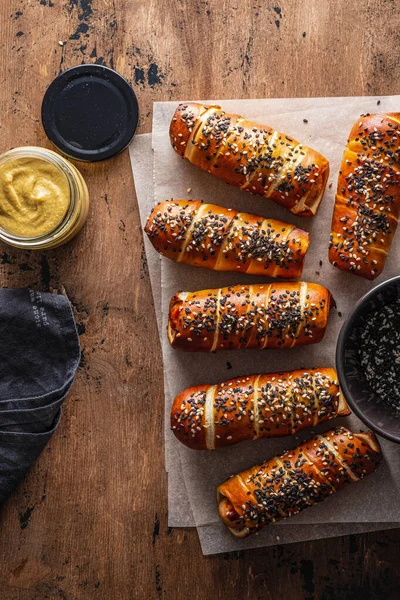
(90, 113)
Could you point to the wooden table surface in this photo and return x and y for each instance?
(90, 520)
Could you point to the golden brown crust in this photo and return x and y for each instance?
(302, 477)
(367, 205)
(182, 125)
(250, 156)
(247, 408)
(275, 315)
(214, 237)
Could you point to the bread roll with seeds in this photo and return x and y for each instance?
(247, 408)
(367, 206)
(253, 157)
(223, 239)
(286, 485)
(275, 315)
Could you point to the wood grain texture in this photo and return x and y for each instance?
(90, 519)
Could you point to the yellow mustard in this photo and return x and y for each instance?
(44, 200)
(34, 196)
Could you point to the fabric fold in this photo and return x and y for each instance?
(39, 356)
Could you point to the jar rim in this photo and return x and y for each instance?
(64, 166)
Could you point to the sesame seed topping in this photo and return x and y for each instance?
(368, 191)
(253, 157)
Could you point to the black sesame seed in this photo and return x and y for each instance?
(379, 353)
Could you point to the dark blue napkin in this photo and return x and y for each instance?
(30, 419)
(18, 452)
(39, 355)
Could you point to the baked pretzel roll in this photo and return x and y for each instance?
(247, 408)
(222, 239)
(285, 485)
(275, 315)
(252, 157)
(367, 205)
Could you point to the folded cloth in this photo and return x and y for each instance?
(31, 420)
(18, 451)
(37, 402)
(39, 344)
(39, 355)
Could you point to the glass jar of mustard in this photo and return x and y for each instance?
(44, 200)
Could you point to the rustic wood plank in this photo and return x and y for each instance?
(90, 519)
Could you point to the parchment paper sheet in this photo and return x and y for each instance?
(141, 155)
(329, 128)
(329, 123)
(179, 508)
(215, 538)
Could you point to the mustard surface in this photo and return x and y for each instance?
(34, 196)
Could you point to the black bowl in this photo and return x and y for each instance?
(364, 402)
